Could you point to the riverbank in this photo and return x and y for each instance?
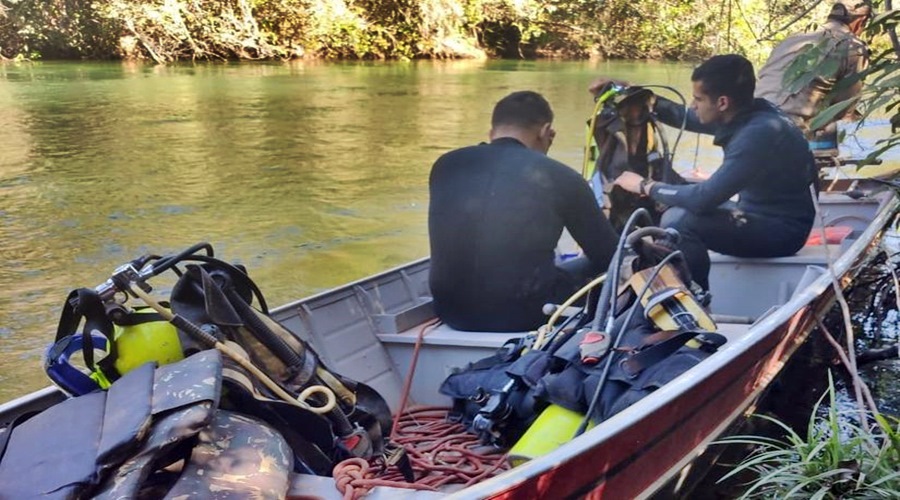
(393, 29)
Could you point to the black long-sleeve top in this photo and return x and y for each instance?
(767, 162)
(495, 216)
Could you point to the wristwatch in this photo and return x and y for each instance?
(642, 187)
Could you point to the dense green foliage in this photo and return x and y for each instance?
(879, 95)
(166, 30)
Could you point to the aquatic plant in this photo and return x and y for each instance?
(837, 458)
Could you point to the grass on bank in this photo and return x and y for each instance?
(837, 458)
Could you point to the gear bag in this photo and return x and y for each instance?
(126, 442)
(222, 301)
(218, 294)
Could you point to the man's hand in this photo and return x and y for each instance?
(695, 175)
(601, 83)
(629, 181)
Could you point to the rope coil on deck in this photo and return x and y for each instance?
(440, 452)
(353, 478)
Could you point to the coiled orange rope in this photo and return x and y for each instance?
(354, 479)
(444, 452)
(440, 452)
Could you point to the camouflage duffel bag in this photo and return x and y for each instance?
(156, 433)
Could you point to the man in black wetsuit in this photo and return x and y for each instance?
(767, 163)
(496, 214)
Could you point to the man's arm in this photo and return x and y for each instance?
(669, 112)
(742, 163)
(674, 114)
(854, 61)
(586, 222)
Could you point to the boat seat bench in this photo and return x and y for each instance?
(770, 281)
(730, 278)
(774, 280)
(451, 349)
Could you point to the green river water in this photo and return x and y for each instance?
(310, 174)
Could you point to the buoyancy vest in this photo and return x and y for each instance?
(116, 443)
(500, 396)
(629, 138)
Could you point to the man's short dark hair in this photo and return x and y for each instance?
(524, 109)
(730, 75)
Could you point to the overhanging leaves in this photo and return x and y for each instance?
(830, 114)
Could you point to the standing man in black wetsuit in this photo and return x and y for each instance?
(496, 214)
(767, 163)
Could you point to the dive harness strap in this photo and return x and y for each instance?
(664, 344)
(85, 303)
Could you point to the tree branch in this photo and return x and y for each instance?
(892, 32)
(790, 23)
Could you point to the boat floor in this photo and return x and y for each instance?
(307, 487)
(444, 340)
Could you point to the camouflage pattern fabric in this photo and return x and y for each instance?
(309, 434)
(185, 396)
(167, 433)
(127, 417)
(237, 457)
(197, 378)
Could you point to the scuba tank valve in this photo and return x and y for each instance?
(488, 421)
(122, 278)
(593, 346)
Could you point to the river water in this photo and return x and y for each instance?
(310, 174)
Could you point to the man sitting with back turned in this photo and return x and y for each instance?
(767, 163)
(496, 214)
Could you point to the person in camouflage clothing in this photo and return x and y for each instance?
(843, 56)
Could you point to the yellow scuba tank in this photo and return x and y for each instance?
(82, 360)
(142, 336)
(554, 427)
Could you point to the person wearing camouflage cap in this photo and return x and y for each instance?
(843, 55)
